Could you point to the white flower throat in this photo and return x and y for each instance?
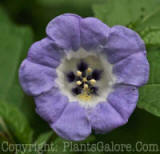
(85, 77)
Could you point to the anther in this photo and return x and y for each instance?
(78, 83)
(92, 81)
(79, 73)
(85, 86)
(89, 70)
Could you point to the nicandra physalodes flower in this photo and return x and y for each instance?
(85, 75)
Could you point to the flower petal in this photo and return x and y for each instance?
(50, 105)
(36, 78)
(121, 43)
(73, 124)
(116, 111)
(64, 31)
(94, 33)
(133, 70)
(124, 100)
(45, 52)
(105, 118)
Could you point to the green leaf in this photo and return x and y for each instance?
(153, 56)
(77, 3)
(4, 17)
(151, 36)
(14, 42)
(3, 127)
(11, 51)
(15, 93)
(60, 146)
(46, 10)
(16, 122)
(126, 12)
(150, 98)
(43, 138)
(4, 132)
(150, 93)
(38, 144)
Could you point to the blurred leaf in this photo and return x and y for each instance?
(125, 12)
(38, 144)
(150, 93)
(13, 51)
(3, 16)
(153, 56)
(46, 10)
(10, 50)
(74, 3)
(3, 127)
(150, 99)
(43, 138)
(16, 122)
(151, 36)
(89, 139)
(14, 41)
(60, 146)
(4, 132)
(27, 152)
(93, 151)
(15, 93)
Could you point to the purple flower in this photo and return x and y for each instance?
(85, 75)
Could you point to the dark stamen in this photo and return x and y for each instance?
(94, 90)
(89, 77)
(82, 66)
(96, 74)
(71, 76)
(84, 74)
(77, 90)
(78, 78)
(82, 85)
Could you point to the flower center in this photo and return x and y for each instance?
(85, 79)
